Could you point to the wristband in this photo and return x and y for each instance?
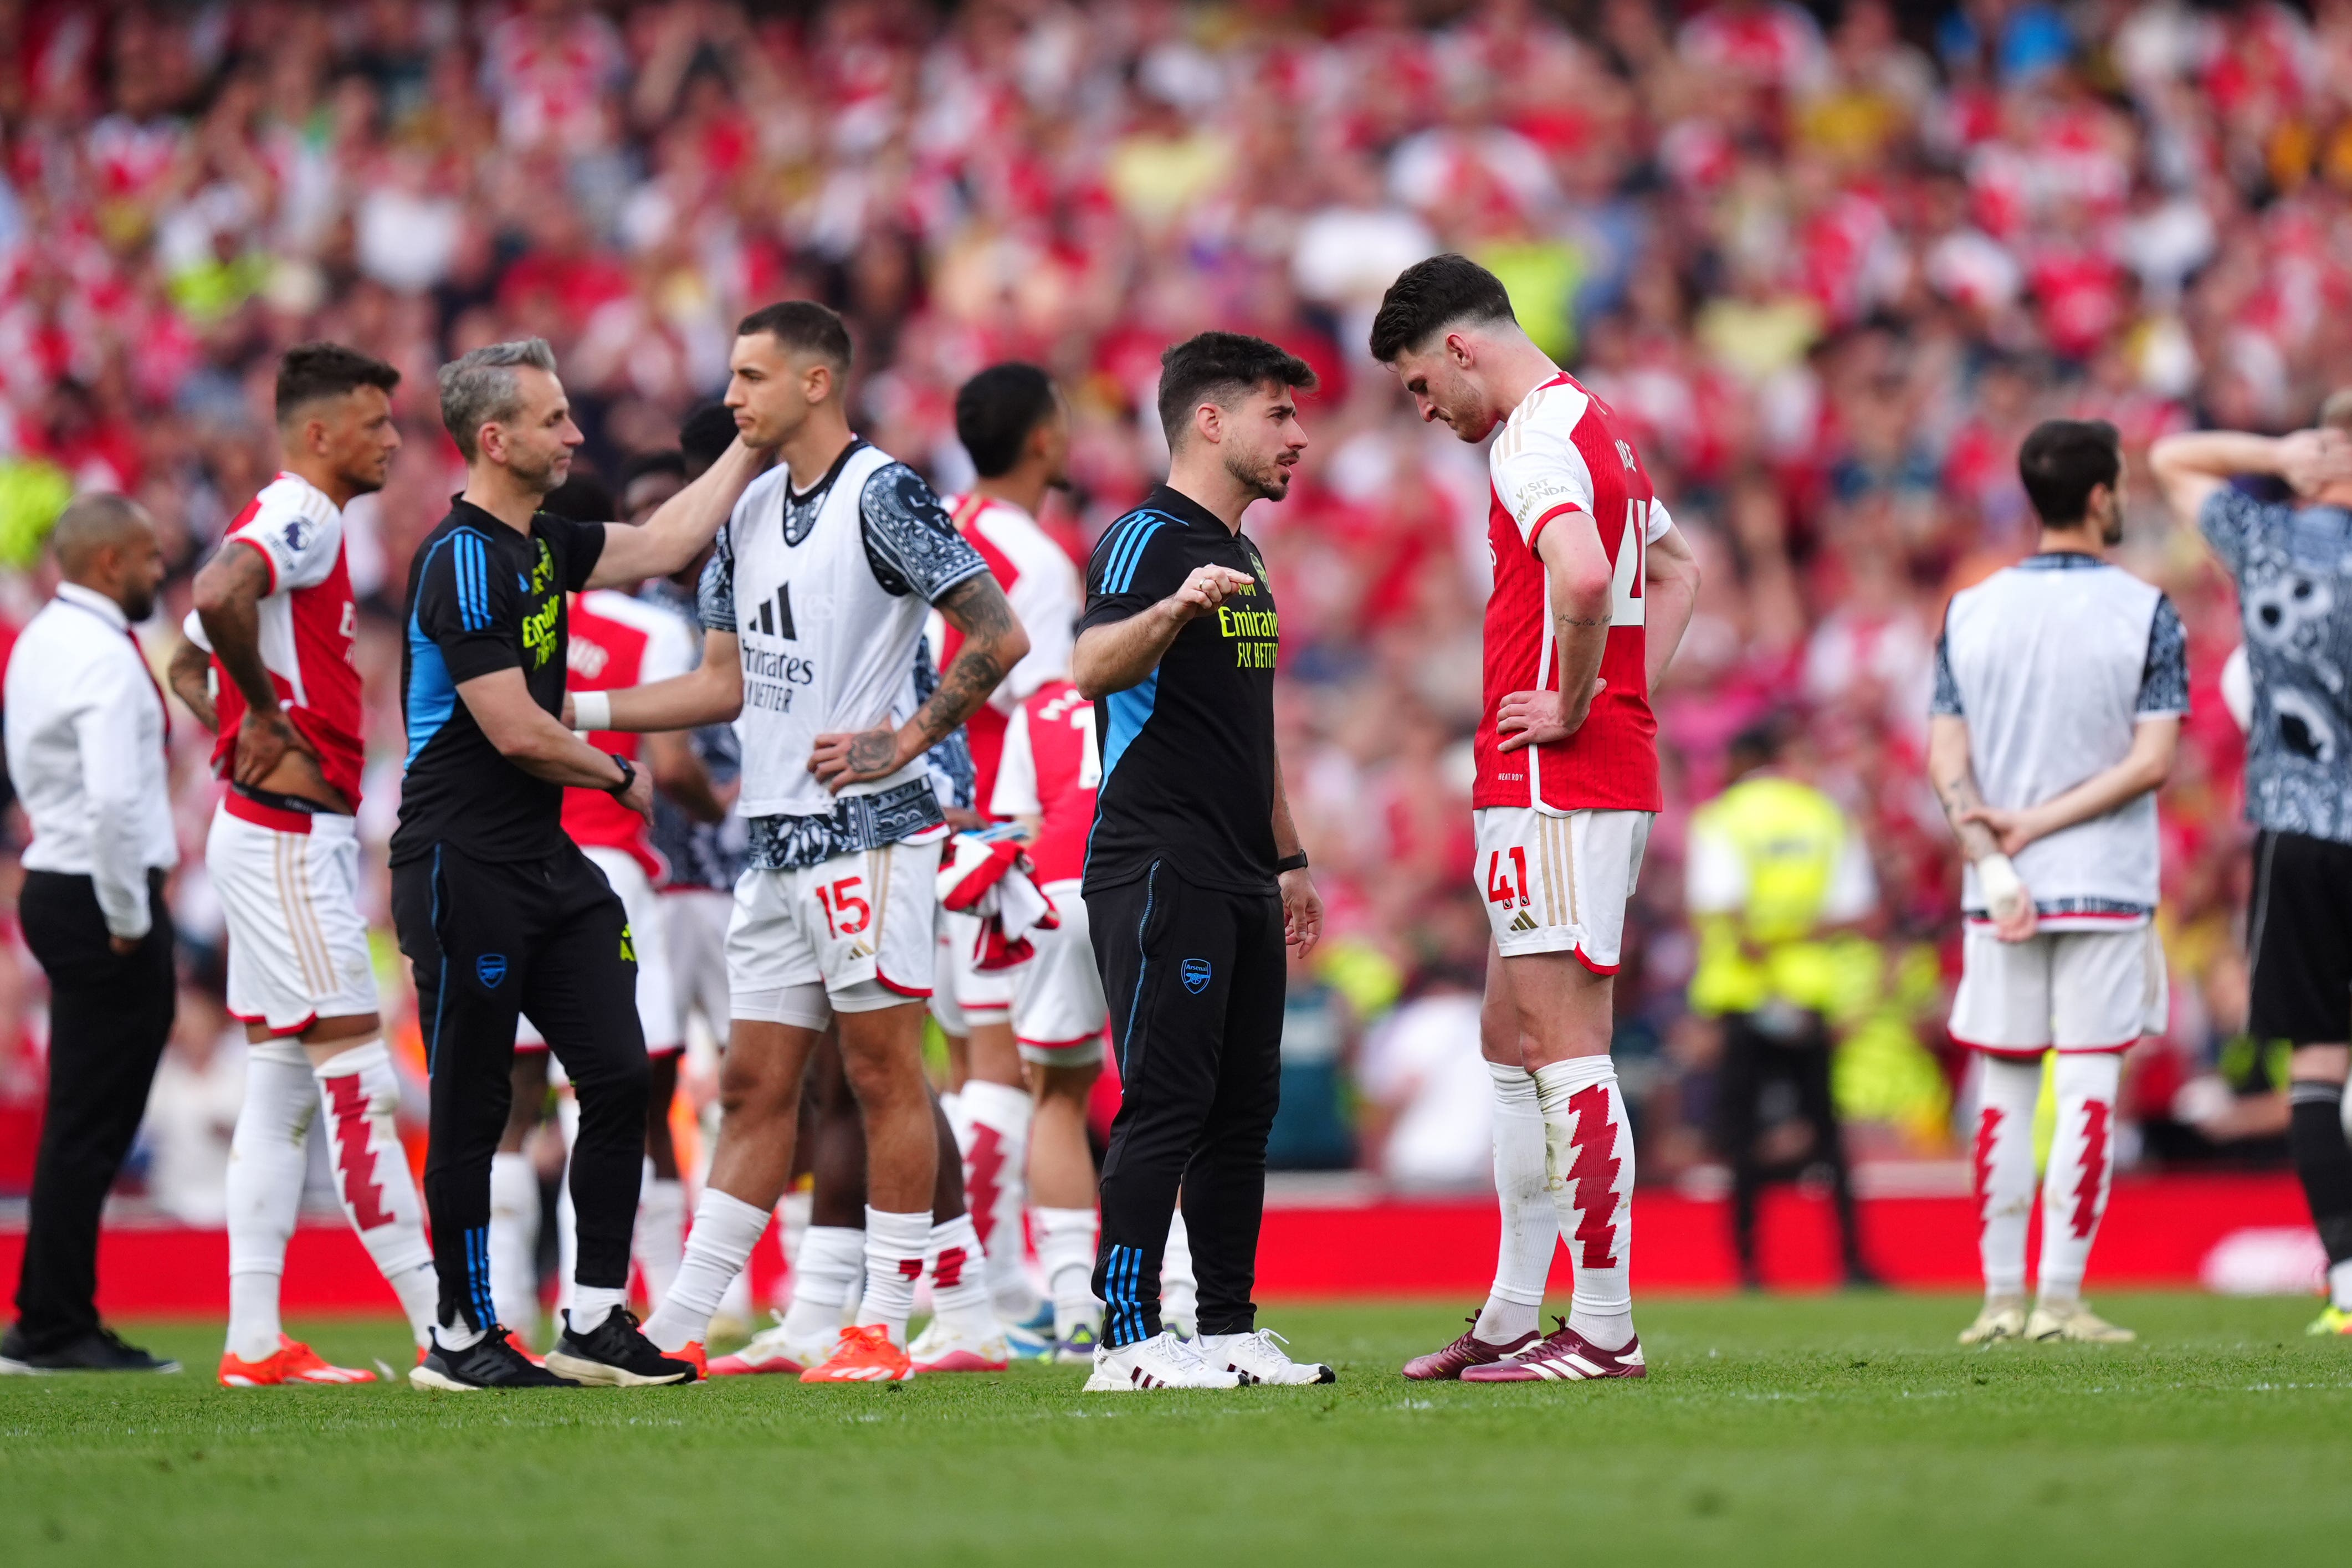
(629, 775)
(1291, 863)
(2003, 889)
(592, 710)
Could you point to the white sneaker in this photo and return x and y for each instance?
(1166, 1362)
(1258, 1357)
(942, 1348)
(2054, 1321)
(774, 1350)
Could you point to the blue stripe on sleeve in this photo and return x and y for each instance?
(1131, 556)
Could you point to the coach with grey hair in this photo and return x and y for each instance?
(498, 910)
(85, 748)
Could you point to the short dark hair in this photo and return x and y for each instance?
(704, 436)
(310, 372)
(803, 326)
(2062, 461)
(670, 461)
(1434, 294)
(1216, 367)
(996, 410)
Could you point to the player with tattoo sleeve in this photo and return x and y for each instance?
(811, 609)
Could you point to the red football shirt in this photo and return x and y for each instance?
(1560, 461)
(1041, 583)
(1051, 768)
(618, 641)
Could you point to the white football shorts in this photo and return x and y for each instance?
(1058, 1011)
(860, 924)
(696, 919)
(657, 1012)
(2067, 990)
(1559, 884)
(961, 996)
(288, 887)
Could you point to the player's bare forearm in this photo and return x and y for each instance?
(993, 642)
(228, 594)
(1670, 593)
(189, 677)
(1954, 781)
(1579, 580)
(681, 526)
(531, 737)
(709, 694)
(2192, 467)
(2154, 743)
(679, 774)
(1113, 658)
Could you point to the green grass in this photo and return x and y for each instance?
(1786, 1429)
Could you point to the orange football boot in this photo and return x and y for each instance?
(291, 1362)
(865, 1355)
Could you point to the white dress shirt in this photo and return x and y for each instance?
(85, 731)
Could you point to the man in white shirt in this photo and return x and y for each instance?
(85, 733)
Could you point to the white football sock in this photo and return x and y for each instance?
(996, 1188)
(266, 1169)
(793, 1214)
(457, 1336)
(2339, 1284)
(591, 1304)
(1066, 1239)
(1530, 1229)
(959, 1118)
(725, 1231)
(1180, 1292)
(893, 1262)
(957, 1265)
(1589, 1171)
(360, 1091)
(660, 1238)
(2007, 1090)
(825, 1270)
(514, 1244)
(2082, 1164)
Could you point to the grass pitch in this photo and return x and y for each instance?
(1769, 1430)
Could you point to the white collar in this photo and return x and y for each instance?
(97, 604)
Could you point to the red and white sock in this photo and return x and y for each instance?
(361, 1092)
(893, 1262)
(514, 1244)
(2008, 1090)
(957, 1265)
(996, 1186)
(2082, 1165)
(1589, 1171)
(1513, 1305)
(1066, 1239)
(725, 1230)
(266, 1169)
(658, 1242)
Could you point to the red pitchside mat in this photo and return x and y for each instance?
(2159, 1231)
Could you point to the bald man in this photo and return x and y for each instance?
(85, 733)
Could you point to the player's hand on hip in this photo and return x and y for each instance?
(1540, 718)
(1302, 912)
(842, 759)
(1206, 588)
(263, 740)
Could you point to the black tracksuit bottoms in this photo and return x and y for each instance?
(546, 938)
(109, 1014)
(1194, 978)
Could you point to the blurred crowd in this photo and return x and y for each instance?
(1831, 262)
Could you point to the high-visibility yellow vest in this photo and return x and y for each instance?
(1790, 836)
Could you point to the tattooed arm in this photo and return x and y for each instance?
(1955, 779)
(994, 643)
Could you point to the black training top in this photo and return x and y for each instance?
(1188, 754)
(483, 597)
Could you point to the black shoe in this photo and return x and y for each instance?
(100, 1350)
(617, 1354)
(1862, 1277)
(490, 1362)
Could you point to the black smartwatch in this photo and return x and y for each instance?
(1291, 863)
(629, 775)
